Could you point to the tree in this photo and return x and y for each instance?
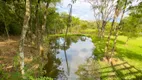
(130, 28)
(5, 15)
(23, 34)
(103, 12)
(111, 29)
(123, 6)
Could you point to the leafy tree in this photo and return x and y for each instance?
(130, 27)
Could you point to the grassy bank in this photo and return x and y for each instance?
(127, 55)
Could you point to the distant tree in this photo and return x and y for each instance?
(130, 28)
(103, 13)
(83, 26)
(6, 13)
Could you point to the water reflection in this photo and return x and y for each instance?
(51, 67)
(89, 70)
(64, 60)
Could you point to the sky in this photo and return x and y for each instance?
(81, 9)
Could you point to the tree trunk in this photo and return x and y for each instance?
(68, 69)
(42, 31)
(23, 34)
(103, 28)
(110, 33)
(37, 31)
(68, 25)
(127, 41)
(5, 25)
(117, 30)
(69, 21)
(108, 39)
(99, 30)
(7, 32)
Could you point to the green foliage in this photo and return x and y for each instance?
(132, 25)
(10, 13)
(16, 60)
(44, 78)
(84, 26)
(9, 75)
(15, 29)
(88, 70)
(40, 78)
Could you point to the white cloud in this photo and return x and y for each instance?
(81, 9)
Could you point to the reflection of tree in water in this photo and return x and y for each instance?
(51, 68)
(83, 38)
(69, 41)
(89, 70)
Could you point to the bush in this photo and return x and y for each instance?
(15, 29)
(41, 78)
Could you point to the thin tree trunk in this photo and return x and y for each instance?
(117, 30)
(68, 25)
(23, 34)
(99, 30)
(69, 21)
(103, 29)
(42, 31)
(7, 32)
(30, 33)
(108, 39)
(37, 29)
(5, 25)
(127, 41)
(68, 69)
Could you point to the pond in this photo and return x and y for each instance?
(69, 61)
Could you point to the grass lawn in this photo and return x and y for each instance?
(130, 53)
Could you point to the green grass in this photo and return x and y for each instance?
(62, 35)
(131, 53)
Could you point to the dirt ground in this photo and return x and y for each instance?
(9, 50)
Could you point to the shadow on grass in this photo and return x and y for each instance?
(121, 53)
(122, 71)
(100, 46)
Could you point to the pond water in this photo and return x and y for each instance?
(66, 61)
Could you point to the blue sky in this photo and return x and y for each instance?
(81, 9)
